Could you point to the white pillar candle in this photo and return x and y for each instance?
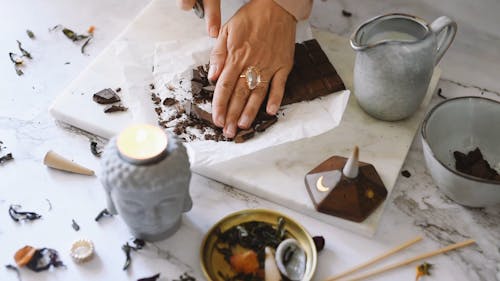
(142, 144)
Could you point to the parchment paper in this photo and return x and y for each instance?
(174, 58)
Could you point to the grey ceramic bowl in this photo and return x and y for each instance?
(463, 124)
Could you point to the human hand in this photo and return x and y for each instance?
(260, 34)
(212, 14)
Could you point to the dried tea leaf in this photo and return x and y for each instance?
(43, 259)
(17, 216)
(30, 34)
(73, 36)
(23, 51)
(85, 44)
(319, 242)
(346, 14)
(185, 277)
(151, 278)
(94, 150)
(6, 157)
(75, 226)
(103, 213)
(15, 269)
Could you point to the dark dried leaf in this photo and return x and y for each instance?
(19, 72)
(85, 44)
(151, 278)
(30, 34)
(94, 150)
(103, 213)
(23, 51)
(6, 157)
(43, 259)
(73, 36)
(75, 226)
(346, 14)
(406, 173)
(22, 216)
(14, 268)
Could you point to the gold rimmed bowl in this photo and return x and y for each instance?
(212, 261)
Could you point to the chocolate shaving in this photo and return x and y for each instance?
(346, 14)
(475, 165)
(244, 135)
(151, 278)
(114, 108)
(103, 213)
(155, 98)
(118, 89)
(94, 150)
(75, 225)
(263, 125)
(152, 86)
(43, 259)
(319, 242)
(169, 101)
(15, 269)
(17, 216)
(106, 96)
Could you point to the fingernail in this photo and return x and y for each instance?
(244, 122)
(213, 31)
(272, 109)
(211, 71)
(230, 131)
(220, 121)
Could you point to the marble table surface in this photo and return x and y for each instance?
(416, 207)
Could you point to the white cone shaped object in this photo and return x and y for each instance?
(351, 168)
(271, 271)
(56, 161)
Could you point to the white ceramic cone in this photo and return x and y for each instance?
(271, 271)
(56, 161)
(351, 167)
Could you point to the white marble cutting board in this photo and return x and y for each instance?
(276, 173)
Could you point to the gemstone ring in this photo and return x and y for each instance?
(253, 77)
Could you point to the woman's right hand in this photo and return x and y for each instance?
(212, 14)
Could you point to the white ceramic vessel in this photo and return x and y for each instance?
(463, 124)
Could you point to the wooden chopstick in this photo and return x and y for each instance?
(377, 259)
(414, 259)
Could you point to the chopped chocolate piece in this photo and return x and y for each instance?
(155, 98)
(114, 108)
(169, 101)
(152, 86)
(201, 114)
(197, 77)
(346, 14)
(118, 89)
(158, 110)
(209, 88)
(244, 135)
(475, 165)
(405, 174)
(264, 124)
(319, 242)
(106, 96)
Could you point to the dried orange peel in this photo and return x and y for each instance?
(24, 255)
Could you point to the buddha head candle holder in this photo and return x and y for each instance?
(146, 176)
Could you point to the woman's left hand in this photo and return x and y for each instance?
(261, 34)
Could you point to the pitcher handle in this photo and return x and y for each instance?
(450, 28)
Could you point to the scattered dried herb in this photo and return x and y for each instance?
(75, 226)
(43, 259)
(30, 33)
(15, 269)
(67, 62)
(15, 58)
(103, 213)
(17, 216)
(423, 270)
(151, 278)
(94, 150)
(185, 277)
(138, 244)
(73, 36)
(85, 44)
(6, 157)
(406, 173)
(346, 14)
(23, 51)
(55, 27)
(50, 204)
(439, 93)
(319, 242)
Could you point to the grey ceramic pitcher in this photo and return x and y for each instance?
(395, 59)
